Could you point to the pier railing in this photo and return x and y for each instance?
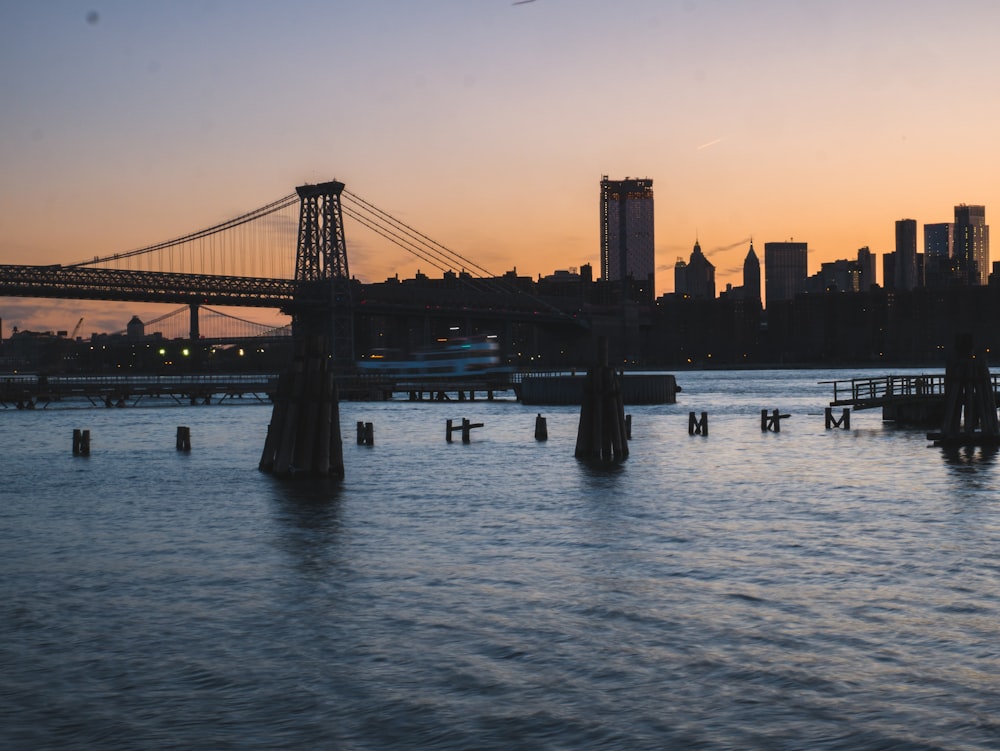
(861, 393)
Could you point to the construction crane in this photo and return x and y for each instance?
(76, 329)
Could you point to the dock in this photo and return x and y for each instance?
(31, 391)
(907, 400)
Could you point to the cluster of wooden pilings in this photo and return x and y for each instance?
(602, 434)
(304, 434)
(970, 411)
(771, 422)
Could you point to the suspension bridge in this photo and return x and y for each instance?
(290, 255)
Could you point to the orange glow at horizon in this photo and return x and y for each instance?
(488, 128)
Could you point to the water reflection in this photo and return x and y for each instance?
(307, 511)
(970, 457)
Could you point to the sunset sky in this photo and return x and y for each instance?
(488, 125)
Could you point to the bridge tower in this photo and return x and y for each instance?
(322, 305)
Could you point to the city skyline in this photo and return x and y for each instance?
(488, 127)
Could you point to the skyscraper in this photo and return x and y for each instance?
(972, 243)
(786, 268)
(866, 263)
(627, 250)
(700, 275)
(751, 277)
(939, 258)
(906, 255)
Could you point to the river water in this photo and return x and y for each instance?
(808, 589)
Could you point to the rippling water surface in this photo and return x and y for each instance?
(810, 589)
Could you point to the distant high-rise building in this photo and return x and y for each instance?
(938, 240)
(972, 243)
(889, 270)
(680, 277)
(866, 262)
(751, 277)
(699, 275)
(786, 268)
(939, 256)
(906, 255)
(627, 240)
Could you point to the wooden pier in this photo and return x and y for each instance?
(909, 400)
(31, 391)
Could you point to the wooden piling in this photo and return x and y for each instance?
(81, 442)
(970, 416)
(541, 429)
(843, 422)
(696, 426)
(183, 438)
(771, 422)
(465, 428)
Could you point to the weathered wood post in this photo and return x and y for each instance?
(771, 422)
(541, 428)
(183, 438)
(696, 426)
(843, 422)
(601, 434)
(81, 442)
(465, 428)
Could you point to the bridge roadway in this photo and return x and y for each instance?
(389, 300)
(87, 283)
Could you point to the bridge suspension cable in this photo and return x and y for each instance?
(271, 208)
(427, 249)
(418, 238)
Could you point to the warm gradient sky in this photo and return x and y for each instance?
(488, 125)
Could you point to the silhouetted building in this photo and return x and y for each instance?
(786, 268)
(680, 277)
(866, 262)
(844, 275)
(699, 275)
(889, 270)
(135, 329)
(906, 255)
(940, 264)
(751, 277)
(627, 238)
(972, 243)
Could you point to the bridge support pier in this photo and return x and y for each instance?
(304, 434)
(602, 434)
